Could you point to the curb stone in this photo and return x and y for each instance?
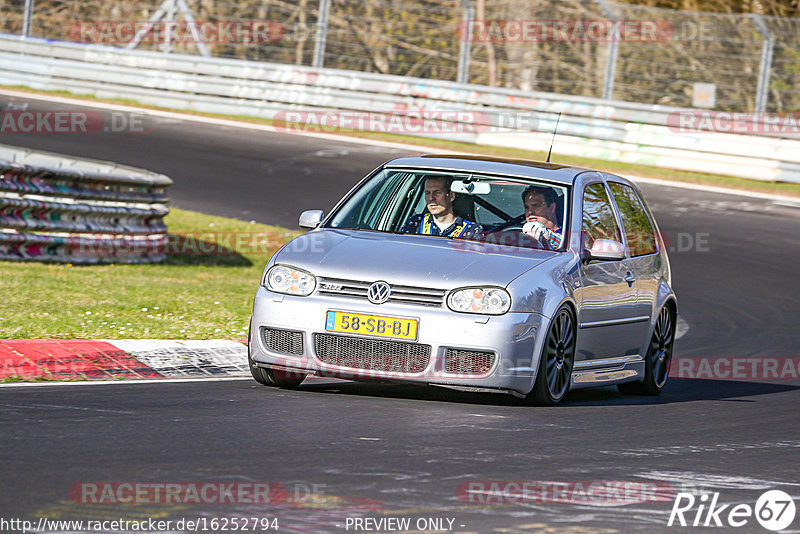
(108, 359)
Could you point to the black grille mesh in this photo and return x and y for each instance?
(372, 354)
(283, 341)
(468, 362)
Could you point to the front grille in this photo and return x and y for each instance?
(372, 354)
(283, 341)
(468, 362)
(421, 296)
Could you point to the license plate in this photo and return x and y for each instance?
(371, 325)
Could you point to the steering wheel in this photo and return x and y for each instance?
(513, 224)
(516, 225)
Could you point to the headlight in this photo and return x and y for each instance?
(486, 300)
(285, 279)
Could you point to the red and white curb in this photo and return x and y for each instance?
(130, 359)
(82, 359)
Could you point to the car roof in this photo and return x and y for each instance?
(553, 172)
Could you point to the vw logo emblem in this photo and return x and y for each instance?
(379, 292)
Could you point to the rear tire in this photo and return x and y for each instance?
(555, 364)
(272, 377)
(658, 360)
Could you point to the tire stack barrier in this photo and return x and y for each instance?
(55, 208)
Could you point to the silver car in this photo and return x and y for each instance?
(504, 311)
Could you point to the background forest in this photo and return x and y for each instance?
(711, 41)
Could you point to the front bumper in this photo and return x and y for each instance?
(512, 337)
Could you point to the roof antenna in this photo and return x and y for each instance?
(554, 137)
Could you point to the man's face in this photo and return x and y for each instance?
(536, 206)
(438, 199)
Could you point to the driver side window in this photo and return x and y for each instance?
(598, 216)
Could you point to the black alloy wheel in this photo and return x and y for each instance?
(555, 364)
(659, 357)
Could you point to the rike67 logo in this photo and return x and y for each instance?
(774, 510)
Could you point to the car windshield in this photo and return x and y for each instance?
(394, 201)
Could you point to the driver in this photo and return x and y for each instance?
(440, 219)
(540, 215)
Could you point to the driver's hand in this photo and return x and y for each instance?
(536, 230)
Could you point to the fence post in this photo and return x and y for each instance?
(465, 48)
(765, 67)
(26, 20)
(168, 10)
(322, 34)
(613, 52)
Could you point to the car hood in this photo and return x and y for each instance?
(408, 259)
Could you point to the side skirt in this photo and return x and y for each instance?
(607, 372)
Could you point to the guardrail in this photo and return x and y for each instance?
(589, 127)
(61, 209)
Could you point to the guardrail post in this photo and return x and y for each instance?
(172, 16)
(322, 34)
(465, 48)
(765, 67)
(198, 38)
(613, 52)
(26, 20)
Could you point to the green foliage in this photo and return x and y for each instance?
(706, 41)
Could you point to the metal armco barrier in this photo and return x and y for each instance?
(589, 127)
(61, 209)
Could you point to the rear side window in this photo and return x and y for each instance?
(638, 230)
(598, 216)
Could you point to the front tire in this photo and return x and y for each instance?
(555, 364)
(659, 357)
(272, 377)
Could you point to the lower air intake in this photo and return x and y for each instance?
(372, 354)
(468, 362)
(283, 341)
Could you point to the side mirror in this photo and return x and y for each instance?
(605, 250)
(311, 219)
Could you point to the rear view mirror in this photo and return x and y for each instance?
(471, 188)
(311, 219)
(606, 250)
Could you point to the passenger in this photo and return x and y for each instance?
(540, 216)
(439, 219)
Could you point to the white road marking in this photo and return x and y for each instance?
(64, 407)
(681, 327)
(682, 450)
(221, 122)
(115, 382)
(688, 478)
(714, 189)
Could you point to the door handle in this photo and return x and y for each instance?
(630, 279)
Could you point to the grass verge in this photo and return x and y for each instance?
(190, 296)
(630, 169)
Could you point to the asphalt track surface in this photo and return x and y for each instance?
(394, 451)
